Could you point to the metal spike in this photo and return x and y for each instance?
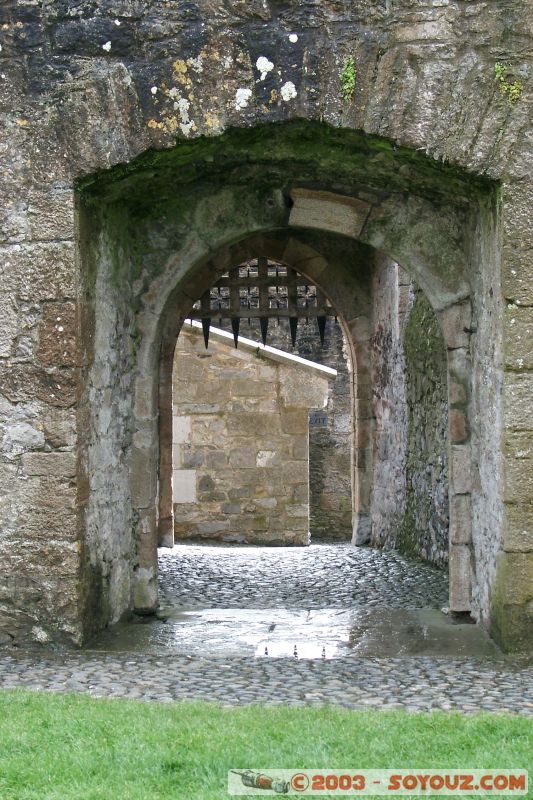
(321, 322)
(235, 325)
(206, 324)
(263, 321)
(293, 323)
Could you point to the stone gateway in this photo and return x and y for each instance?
(149, 147)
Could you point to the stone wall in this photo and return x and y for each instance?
(241, 442)
(388, 403)
(330, 447)
(141, 142)
(423, 531)
(410, 473)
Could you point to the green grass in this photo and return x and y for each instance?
(70, 746)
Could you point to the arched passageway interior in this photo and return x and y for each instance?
(262, 440)
(344, 210)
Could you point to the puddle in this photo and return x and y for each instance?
(326, 633)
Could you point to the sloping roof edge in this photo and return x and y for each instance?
(263, 350)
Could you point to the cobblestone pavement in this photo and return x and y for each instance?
(334, 579)
(419, 684)
(319, 576)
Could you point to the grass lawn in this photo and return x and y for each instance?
(73, 746)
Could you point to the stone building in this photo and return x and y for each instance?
(241, 439)
(331, 431)
(149, 147)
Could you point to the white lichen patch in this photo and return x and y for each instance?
(107, 47)
(264, 66)
(154, 90)
(182, 107)
(288, 91)
(39, 634)
(242, 98)
(197, 63)
(293, 37)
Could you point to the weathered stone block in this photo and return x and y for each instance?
(518, 337)
(298, 511)
(518, 391)
(456, 323)
(210, 528)
(51, 215)
(267, 458)
(39, 271)
(184, 485)
(517, 272)
(215, 459)
(457, 393)
(458, 426)
(518, 201)
(460, 469)
(59, 427)
(251, 387)
(243, 457)
(519, 445)
(295, 472)
(460, 365)
(298, 388)
(295, 421)
(58, 343)
(514, 578)
(22, 382)
(9, 324)
(460, 519)
(518, 528)
(190, 458)
(300, 448)
(460, 578)
(253, 424)
(518, 477)
(49, 464)
(181, 429)
(43, 556)
(328, 212)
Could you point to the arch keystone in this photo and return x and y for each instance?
(328, 212)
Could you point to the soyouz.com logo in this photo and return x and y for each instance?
(399, 782)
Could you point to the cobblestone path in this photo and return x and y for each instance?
(220, 590)
(319, 576)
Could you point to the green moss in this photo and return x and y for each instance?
(277, 154)
(509, 87)
(348, 79)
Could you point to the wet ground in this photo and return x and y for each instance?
(325, 624)
(324, 601)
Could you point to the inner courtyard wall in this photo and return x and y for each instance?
(331, 433)
(241, 442)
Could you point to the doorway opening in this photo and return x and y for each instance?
(262, 433)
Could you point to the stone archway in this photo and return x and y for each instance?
(148, 252)
(353, 317)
